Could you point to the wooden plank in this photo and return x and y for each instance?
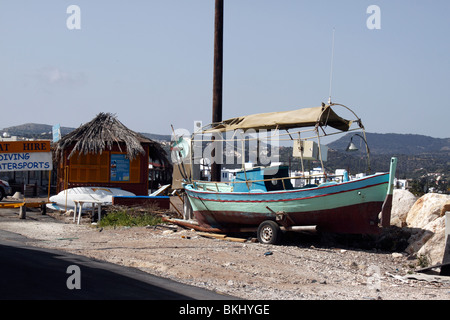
(235, 239)
(11, 205)
(211, 235)
(20, 204)
(27, 204)
(35, 204)
(221, 237)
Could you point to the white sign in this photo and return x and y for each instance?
(25, 155)
(26, 161)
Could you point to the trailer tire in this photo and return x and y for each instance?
(269, 232)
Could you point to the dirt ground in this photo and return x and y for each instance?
(304, 267)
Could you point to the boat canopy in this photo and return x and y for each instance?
(305, 117)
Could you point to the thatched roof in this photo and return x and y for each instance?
(102, 133)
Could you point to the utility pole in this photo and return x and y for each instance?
(217, 82)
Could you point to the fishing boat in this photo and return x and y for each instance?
(264, 199)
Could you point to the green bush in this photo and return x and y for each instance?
(129, 218)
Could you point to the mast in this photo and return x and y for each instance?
(217, 82)
(331, 67)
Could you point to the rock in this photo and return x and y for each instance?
(17, 196)
(402, 201)
(428, 227)
(426, 209)
(69, 213)
(434, 248)
(430, 242)
(396, 255)
(445, 208)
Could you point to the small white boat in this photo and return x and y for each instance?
(65, 199)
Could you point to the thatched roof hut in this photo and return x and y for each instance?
(103, 152)
(102, 133)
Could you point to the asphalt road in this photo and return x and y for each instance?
(33, 273)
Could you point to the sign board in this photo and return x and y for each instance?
(56, 131)
(25, 155)
(120, 167)
(309, 150)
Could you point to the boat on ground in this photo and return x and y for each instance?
(263, 199)
(64, 200)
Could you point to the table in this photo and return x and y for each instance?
(79, 204)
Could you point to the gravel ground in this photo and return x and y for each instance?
(304, 268)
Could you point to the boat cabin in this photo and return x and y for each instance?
(262, 179)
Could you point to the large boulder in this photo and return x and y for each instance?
(426, 220)
(426, 209)
(402, 201)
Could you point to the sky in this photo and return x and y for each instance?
(150, 62)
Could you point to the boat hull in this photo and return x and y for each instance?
(348, 207)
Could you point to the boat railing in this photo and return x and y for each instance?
(217, 185)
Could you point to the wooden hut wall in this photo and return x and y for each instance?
(96, 170)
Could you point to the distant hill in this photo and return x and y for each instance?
(34, 130)
(417, 155)
(394, 143)
(44, 131)
(157, 137)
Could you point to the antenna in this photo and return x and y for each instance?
(331, 68)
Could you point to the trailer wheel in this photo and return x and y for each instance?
(269, 232)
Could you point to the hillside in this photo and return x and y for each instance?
(379, 143)
(417, 154)
(394, 143)
(34, 130)
(44, 131)
(157, 137)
